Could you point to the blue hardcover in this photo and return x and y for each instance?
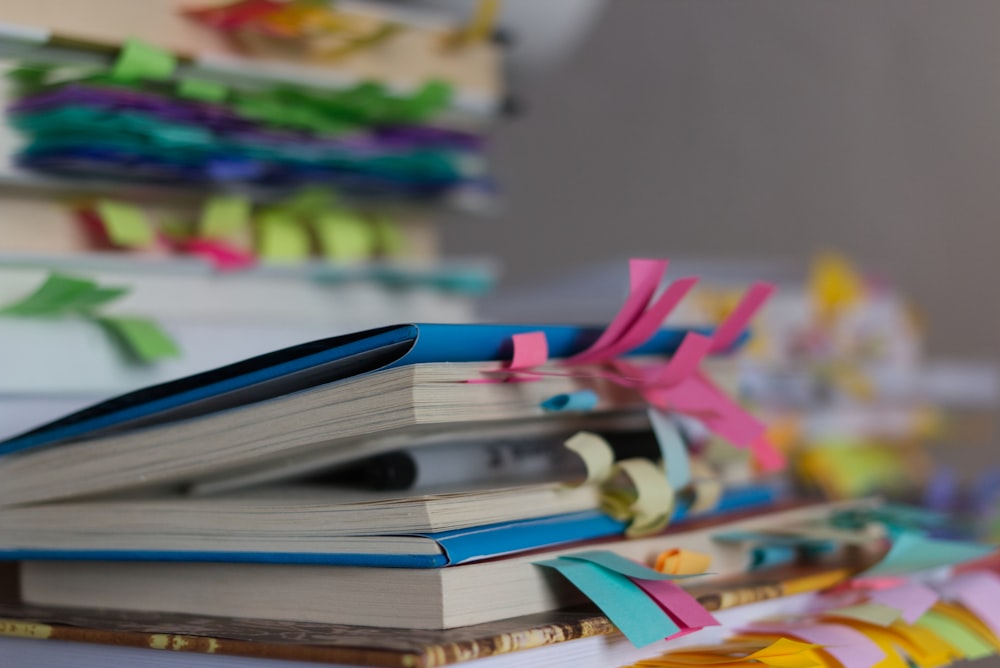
(310, 364)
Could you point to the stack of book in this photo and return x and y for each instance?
(223, 197)
(429, 494)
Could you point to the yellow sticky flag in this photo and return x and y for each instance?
(597, 455)
(834, 284)
(224, 216)
(682, 562)
(923, 646)
(281, 238)
(126, 225)
(345, 236)
(639, 489)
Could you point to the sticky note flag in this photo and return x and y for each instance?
(979, 592)
(281, 238)
(582, 400)
(202, 90)
(678, 561)
(139, 60)
(345, 236)
(309, 202)
(963, 639)
(768, 556)
(782, 653)
(911, 599)
(53, 297)
(912, 552)
(626, 605)
(142, 338)
(597, 455)
(619, 564)
(870, 613)
(224, 216)
(834, 283)
(391, 241)
(848, 646)
(672, 447)
(638, 489)
(126, 225)
(682, 607)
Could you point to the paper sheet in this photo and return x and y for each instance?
(619, 564)
(125, 225)
(848, 646)
(345, 236)
(139, 60)
(683, 608)
(223, 216)
(673, 448)
(912, 552)
(142, 337)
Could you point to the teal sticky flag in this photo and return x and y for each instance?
(767, 556)
(673, 448)
(141, 338)
(912, 551)
(139, 60)
(634, 613)
(202, 90)
(619, 564)
(583, 400)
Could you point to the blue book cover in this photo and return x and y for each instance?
(311, 364)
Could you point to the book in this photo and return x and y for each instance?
(581, 636)
(384, 597)
(324, 525)
(395, 381)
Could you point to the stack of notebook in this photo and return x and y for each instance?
(212, 198)
(452, 484)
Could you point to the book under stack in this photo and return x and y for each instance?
(420, 495)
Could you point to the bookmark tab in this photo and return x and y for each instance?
(979, 592)
(626, 605)
(672, 447)
(848, 646)
(970, 645)
(869, 613)
(678, 561)
(638, 490)
(202, 90)
(224, 216)
(911, 599)
(60, 294)
(281, 238)
(345, 236)
(912, 552)
(682, 607)
(139, 60)
(597, 455)
(125, 225)
(141, 337)
(619, 564)
(583, 400)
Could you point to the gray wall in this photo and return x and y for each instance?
(769, 128)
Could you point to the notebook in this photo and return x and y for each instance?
(398, 380)
(323, 525)
(383, 597)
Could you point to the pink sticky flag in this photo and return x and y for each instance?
(736, 322)
(646, 325)
(682, 607)
(851, 648)
(911, 599)
(531, 349)
(685, 361)
(644, 278)
(221, 255)
(979, 591)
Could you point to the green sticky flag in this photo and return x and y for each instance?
(963, 639)
(126, 225)
(224, 216)
(390, 238)
(281, 238)
(202, 90)
(139, 60)
(52, 297)
(141, 338)
(345, 236)
(308, 202)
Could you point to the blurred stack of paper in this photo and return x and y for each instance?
(185, 187)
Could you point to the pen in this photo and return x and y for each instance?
(495, 461)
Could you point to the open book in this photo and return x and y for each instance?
(394, 382)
